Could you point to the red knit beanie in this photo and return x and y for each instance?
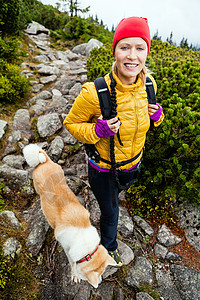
(132, 27)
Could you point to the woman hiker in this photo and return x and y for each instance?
(121, 138)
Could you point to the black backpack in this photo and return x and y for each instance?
(105, 105)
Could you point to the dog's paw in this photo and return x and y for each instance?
(75, 279)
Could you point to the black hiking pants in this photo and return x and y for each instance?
(103, 187)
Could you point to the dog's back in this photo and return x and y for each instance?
(60, 206)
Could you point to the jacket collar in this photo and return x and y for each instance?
(127, 88)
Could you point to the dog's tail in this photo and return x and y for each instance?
(34, 155)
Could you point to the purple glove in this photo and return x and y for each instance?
(156, 116)
(102, 129)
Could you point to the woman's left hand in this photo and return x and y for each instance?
(152, 109)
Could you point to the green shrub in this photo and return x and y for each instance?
(100, 62)
(13, 86)
(10, 49)
(9, 16)
(17, 280)
(171, 159)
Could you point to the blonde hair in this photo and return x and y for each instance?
(142, 75)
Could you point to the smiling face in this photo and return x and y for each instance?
(130, 56)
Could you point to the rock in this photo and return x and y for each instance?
(81, 170)
(44, 95)
(160, 251)
(80, 71)
(165, 284)
(3, 127)
(122, 196)
(48, 79)
(35, 28)
(27, 74)
(92, 43)
(38, 229)
(51, 55)
(62, 56)
(94, 209)
(41, 58)
(166, 237)
(74, 183)
(70, 170)
(85, 48)
(14, 137)
(22, 123)
(16, 179)
(11, 247)
(64, 85)
(14, 161)
(61, 64)
(189, 220)
(38, 108)
(71, 56)
(74, 65)
(75, 90)
(144, 225)
(83, 78)
(143, 296)
(10, 149)
(58, 105)
(24, 65)
(47, 70)
(106, 291)
(68, 138)
(125, 223)
(141, 273)
(49, 124)
(56, 148)
(43, 45)
(80, 49)
(10, 218)
(187, 282)
(126, 254)
(173, 256)
(56, 93)
(36, 88)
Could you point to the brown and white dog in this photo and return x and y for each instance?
(70, 220)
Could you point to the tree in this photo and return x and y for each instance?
(9, 16)
(74, 7)
(170, 40)
(184, 43)
(156, 36)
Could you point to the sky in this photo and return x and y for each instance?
(181, 17)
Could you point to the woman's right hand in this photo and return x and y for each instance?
(106, 128)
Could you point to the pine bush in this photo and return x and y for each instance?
(13, 85)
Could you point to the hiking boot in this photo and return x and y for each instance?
(116, 257)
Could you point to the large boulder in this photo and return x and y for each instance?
(3, 127)
(86, 48)
(36, 28)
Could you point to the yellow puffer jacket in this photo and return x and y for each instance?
(132, 109)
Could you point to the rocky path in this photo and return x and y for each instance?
(149, 267)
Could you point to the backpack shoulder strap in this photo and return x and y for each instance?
(150, 91)
(104, 97)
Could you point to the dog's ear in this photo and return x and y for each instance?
(93, 279)
(110, 261)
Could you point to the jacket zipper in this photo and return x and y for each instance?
(136, 130)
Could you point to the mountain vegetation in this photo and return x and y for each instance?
(171, 160)
(170, 172)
